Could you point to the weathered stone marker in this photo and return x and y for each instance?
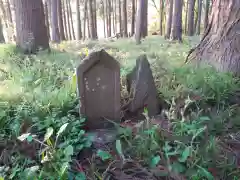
(140, 84)
(98, 78)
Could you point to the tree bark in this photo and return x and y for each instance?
(161, 16)
(219, 46)
(139, 22)
(207, 2)
(60, 20)
(64, 21)
(133, 17)
(199, 17)
(120, 17)
(145, 19)
(91, 20)
(54, 22)
(2, 39)
(85, 19)
(125, 20)
(109, 23)
(95, 18)
(186, 18)
(47, 18)
(68, 20)
(71, 20)
(79, 26)
(191, 17)
(30, 26)
(176, 33)
(169, 18)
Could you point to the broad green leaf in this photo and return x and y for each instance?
(104, 155)
(204, 118)
(23, 136)
(1, 178)
(48, 133)
(205, 173)
(80, 176)
(29, 138)
(62, 128)
(68, 151)
(178, 167)
(155, 160)
(64, 168)
(185, 154)
(119, 148)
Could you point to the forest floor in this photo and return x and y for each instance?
(41, 133)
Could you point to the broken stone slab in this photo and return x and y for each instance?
(142, 90)
(98, 79)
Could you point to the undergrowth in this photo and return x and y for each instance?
(39, 107)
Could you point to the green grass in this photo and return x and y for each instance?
(41, 90)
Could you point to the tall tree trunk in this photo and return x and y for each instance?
(47, 18)
(191, 17)
(95, 18)
(104, 17)
(109, 23)
(79, 26)
(54, 22)
(31, 32)
(60, 20)
(161, 16)
(68, 20)
(219, 46)
(120, 17)
(145, 19)
(64, 20)
(85, 19)
(2, 39)
(124, 20)
(199, 17)
(139, 22)
(186, 17)
(71, 20)
(207, 3)
(113, 18)
(169, 18)
(133, 17)
(91, 20)
(176, 33)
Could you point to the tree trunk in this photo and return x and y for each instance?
(191, 17)
(176, 33)
(79, 26)
(219, 46)
(2, 39)
(199, 17)
(207, 2)
(133, 17)
(71, 20)
(64, 21)
(124, 20)
(46, 4)
(68, 20)
(91, 20)
(145, 19)
(139, 22)
(31, 32)
(60, 20)
(113, 18)
(104, 18)
(120, 17)
(169, 18)
(95, 18)
(54, 22)
(109, 26)
(85, 19)
(186, 17)
(161, 16)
